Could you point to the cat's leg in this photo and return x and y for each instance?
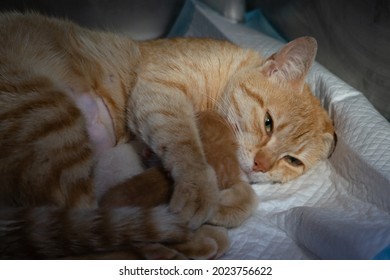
(147, 189)
(236, 204)
(163, 117)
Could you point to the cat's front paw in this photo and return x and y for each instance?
(236, 204)
(195, 196)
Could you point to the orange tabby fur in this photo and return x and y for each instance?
(153, 187)
(69, 95)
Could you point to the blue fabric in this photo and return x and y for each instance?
(384, 254)
(253, 19)
(183, 21)
(256, 20)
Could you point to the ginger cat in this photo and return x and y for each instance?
(71, 98)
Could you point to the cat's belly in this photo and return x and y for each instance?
(114, 166)
(99, 124)
(114, 163)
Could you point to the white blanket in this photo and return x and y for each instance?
(340, 209)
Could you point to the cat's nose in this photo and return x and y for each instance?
(261, 165)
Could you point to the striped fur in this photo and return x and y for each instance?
(47, 232)
(68, 95)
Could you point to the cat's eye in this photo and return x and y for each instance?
(268, 123)
(293, 161)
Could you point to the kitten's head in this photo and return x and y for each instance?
(281, 128)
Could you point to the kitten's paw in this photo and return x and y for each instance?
(220, 237)
(156, 251)
(195, 196)
(236, 204)
(207, 242)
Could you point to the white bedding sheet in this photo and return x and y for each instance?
(340, 209)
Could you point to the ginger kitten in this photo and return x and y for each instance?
(69, 95)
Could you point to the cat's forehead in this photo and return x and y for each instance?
(298, 118)
(285, 102)
(292, 112)
(301, 131)
(268, 91)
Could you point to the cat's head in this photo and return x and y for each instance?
(281, 128)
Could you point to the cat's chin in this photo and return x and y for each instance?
(252, 177)
(258, 178)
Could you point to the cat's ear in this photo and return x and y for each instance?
(292, 62)
(330, 141)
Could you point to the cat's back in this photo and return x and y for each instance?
(31, 41)
(58, 48)
(17, 27)
(198, 53)
(34, 47)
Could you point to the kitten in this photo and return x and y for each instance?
(154, 187)
(68, 95)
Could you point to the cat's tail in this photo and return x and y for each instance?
(43, 232)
